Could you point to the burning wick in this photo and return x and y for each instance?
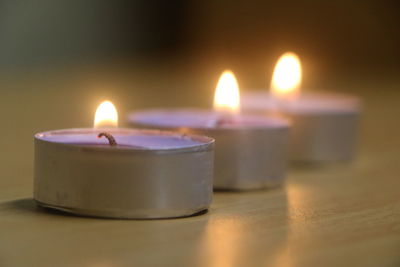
(222, 121)
(219, 122)
(110, 138)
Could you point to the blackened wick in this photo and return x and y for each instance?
(110, 138)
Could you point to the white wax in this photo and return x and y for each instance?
(125, 138)
(200, 118)
(305, 103)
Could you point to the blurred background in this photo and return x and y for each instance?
(334, 37)
(59, 58)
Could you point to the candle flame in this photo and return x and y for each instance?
(227, 96)
(106, 115)
(286, 79)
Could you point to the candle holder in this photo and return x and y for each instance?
(250, 151)
(324, 126)
(147, 174)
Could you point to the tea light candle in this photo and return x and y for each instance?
(126, 173)
(324, 126)
(250, 150)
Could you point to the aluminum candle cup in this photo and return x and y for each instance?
(148, 174)
(324, 126)
(250, 150)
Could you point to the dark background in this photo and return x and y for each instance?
(335, 39)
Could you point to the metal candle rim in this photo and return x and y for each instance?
(206, 143)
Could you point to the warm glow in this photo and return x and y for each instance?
(286, 79)
(223, 241)
(227, 96)
(106, 115)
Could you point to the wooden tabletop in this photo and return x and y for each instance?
(342, 214)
